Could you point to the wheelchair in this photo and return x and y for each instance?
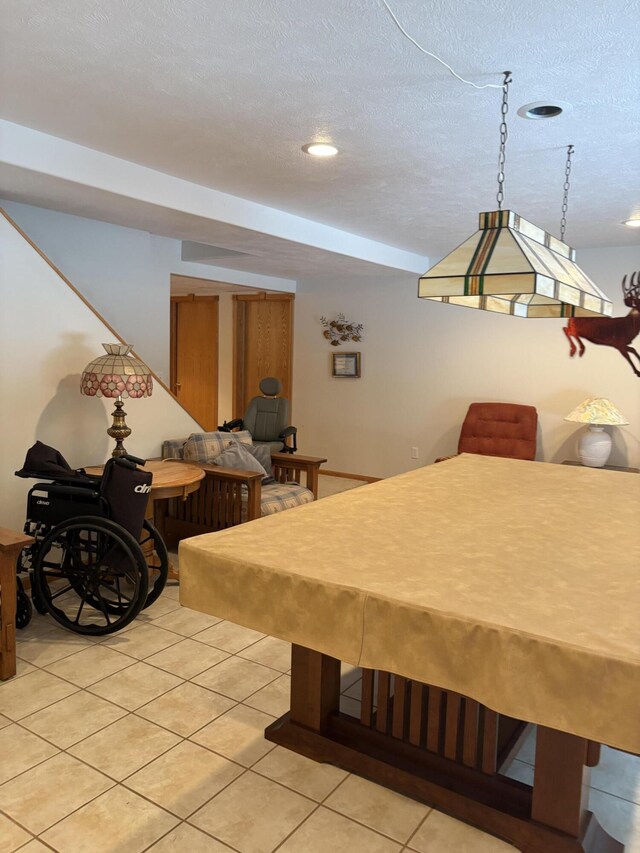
(96, 562)
(266, 419)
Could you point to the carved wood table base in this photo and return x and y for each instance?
(447, 751)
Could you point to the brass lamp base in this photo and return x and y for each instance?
(119, 429)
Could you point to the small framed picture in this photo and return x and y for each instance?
(345, 364)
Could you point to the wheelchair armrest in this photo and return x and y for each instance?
(135, 459)
(228, 426)
(292, 432)
(56, 489)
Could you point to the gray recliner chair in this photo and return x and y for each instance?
(267, 419)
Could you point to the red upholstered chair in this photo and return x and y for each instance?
(499, 429)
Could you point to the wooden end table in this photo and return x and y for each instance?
(603, 467)
(11, 543)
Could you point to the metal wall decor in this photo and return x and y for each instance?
(341, 330)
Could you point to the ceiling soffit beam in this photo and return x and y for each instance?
(40, 152)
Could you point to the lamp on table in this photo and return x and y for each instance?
(117, 374)
(595, 442)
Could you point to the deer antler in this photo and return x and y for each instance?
(631, 292)
(633, 285)
(633, 289)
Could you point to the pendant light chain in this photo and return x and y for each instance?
(503, 137)
(567, 185)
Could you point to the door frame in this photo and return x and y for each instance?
(239, 332)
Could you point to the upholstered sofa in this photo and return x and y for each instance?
(230, 496)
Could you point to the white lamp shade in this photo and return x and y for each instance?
(597, 410)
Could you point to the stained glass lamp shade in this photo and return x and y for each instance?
(513, 267)
(595, 444)
(117, 374)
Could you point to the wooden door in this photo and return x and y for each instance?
(194, 356)
(263, 345)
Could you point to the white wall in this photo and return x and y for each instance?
(47, 336)
(124, 273)
(423, 363)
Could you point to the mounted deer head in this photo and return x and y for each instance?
(616, 332)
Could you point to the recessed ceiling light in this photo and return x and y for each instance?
(632, 223)
(544, 109)
(320, 149)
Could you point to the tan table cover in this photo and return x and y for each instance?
(515, 583)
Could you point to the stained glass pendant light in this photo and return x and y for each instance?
(511, 266)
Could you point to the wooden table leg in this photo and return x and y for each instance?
(156, 511)
(8, 591)
(10, 546)
(561, 790)
(315, 688)
(561, 784)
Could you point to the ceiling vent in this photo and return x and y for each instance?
(544, 109)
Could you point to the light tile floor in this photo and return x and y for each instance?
(154, 741)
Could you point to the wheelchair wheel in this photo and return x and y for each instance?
(91, 575)
(24, 610)
(38, 603)
(157, 557)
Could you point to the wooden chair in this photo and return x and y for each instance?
(227, 497)
(11, 544)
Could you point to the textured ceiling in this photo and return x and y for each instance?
(225, 93)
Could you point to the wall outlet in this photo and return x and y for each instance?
(414, 452)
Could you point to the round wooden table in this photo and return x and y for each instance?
(171, 479)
